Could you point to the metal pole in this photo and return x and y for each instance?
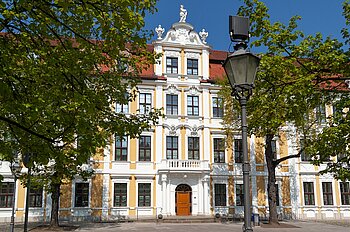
(12, 224)
(247, 227)
(25, 227)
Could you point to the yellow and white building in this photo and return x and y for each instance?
(182, 165)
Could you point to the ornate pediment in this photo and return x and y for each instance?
(182, 32)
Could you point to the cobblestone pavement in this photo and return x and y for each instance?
(297, 226)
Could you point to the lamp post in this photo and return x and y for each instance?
(26, 162)
(16, 171)
(241, 67)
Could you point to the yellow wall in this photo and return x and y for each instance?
(260, 182)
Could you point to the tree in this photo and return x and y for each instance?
(334, 140)
(63, 65)
(291, 83)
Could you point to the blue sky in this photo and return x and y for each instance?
(323, 16)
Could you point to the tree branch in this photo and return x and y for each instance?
(11, 122)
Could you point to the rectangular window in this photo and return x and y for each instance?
(145, 148)
(35, 197)
(121, 148)
(120, 195)
(239, 195)
(327, 193)
(219, 150)
(123, 107)
(193, 148)
(145, 103)
(81, 195)
(277, 195)
(171, 65)
(192, 67)
(309, 196)
(144, 194)
(345, 193)
(192, 106)
(171, 147)
(238, 151)
(218, 110)
(303, 155)
(6, 194)
(321, 114)
(171, 104)
(220, 194)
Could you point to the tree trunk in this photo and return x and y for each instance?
(55, 196)
(271, 188)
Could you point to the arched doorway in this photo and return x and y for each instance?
(183, 200)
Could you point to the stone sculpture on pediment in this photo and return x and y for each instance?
(183, 14)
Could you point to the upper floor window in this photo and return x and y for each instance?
(327, 193)
(122, 107)
(121, 148)
(145, 148)
(321, 114)
(171, 147)
(345, 193)
(35, 197)
(193, 148)
(120, 195)
(6, 194)
(218, 110)
(192, 67)
(193, 105)
(219, 150)
(220, 194)
(303, 155)
(239, 195)
(238, 151)
(309, 195)
(171, 104)
(81, 195)
(145, 103)
(144, 194)
(171, 64)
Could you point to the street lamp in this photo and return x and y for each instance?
(241, 67)
(16, 172)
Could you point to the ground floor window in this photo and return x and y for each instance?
(6, 194)
(345, 193)
(239, 195)
(327, 193)
(220, 194)
(35, 197)
(81, 195)
(120, 195)
(144, 194)
(309, 195)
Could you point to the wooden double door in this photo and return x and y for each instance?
(183, 200)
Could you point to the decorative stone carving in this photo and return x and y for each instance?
(159, 30)
(183, 14)
(203, 34)
(192, 55)
(194, 131)
(172, 89)
(172, 54)
(193, 90)
(172, 130)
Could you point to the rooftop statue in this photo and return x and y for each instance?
(183, 14)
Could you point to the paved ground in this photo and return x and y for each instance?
(298, 226)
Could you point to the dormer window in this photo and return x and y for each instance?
(192, 67)
(171, 64)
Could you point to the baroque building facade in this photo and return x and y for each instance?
(182, 166)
